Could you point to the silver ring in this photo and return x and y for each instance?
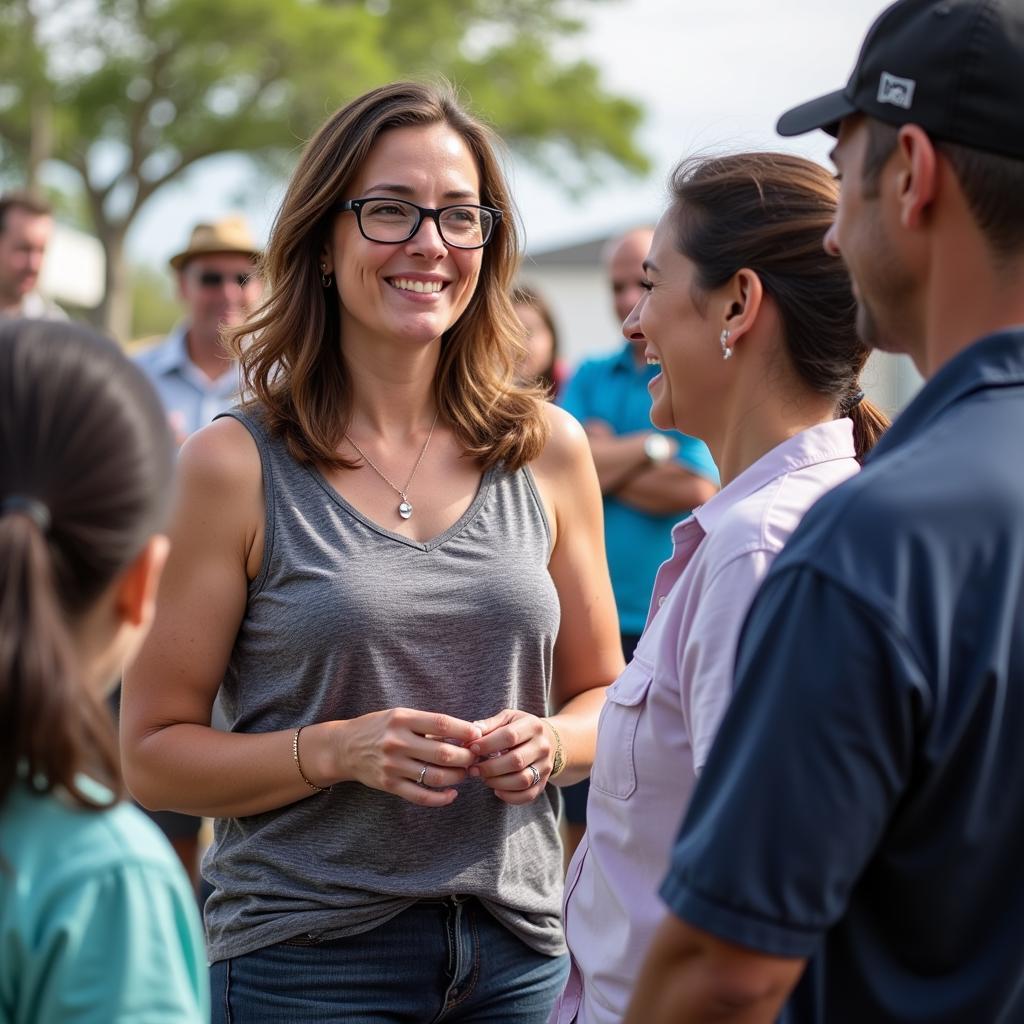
(423, 775)
(536, 775)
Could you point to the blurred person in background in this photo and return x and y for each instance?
(751, 325)
(26, 224)
(650, 478)
(97, 919)
(389, 564)
(542, 364)
(194, 372)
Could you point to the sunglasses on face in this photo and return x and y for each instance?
(215, 279)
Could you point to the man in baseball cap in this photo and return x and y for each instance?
(853, 850)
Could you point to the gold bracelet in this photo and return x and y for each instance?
(558, 761)
(298, 764)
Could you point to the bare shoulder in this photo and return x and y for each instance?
(221, 457)
(567, 448)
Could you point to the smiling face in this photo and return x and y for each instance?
(412, 291)
(681, 335)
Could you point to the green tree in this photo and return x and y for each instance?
(130, 93)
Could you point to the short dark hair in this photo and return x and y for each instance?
(769, 212)
(83, 436)
(22, 201)
(993, 184)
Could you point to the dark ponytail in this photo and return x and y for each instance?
(769, 212)
(85, 473)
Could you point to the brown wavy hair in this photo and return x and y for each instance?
(289, 350)
(769, 212)
(83, 435)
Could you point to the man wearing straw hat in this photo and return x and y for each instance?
(194, 374)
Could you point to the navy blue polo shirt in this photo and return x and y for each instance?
(863, 804)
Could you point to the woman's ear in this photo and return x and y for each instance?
(137, 587)
(741, 300)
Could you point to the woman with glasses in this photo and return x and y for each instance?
(753, 328)
(98, 921)
(388, 562)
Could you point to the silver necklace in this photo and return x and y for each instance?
(404, 506)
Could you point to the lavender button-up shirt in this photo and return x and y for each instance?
(663, 711)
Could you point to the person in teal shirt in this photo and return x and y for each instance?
(98, 922)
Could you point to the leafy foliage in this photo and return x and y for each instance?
(130, 93)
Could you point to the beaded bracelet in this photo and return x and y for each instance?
(298, 764)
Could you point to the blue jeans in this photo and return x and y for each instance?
(445, 960)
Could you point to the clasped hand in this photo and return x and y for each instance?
(421, 757)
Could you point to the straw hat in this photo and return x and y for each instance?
(228, 235)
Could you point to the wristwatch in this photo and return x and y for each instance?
(657, 448)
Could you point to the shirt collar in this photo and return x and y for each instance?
(172, 354)
(824, 442)
(995, 361)
(623, 362)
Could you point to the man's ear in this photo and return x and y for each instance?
(916, 169)
(741, 297)
(137, 586)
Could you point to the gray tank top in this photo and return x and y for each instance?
(345, 618)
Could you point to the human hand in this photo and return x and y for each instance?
(516, 754)
(400, 751)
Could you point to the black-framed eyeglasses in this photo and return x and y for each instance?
(214, 279)
(392, 221)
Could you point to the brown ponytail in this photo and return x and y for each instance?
(769, 212)
(85, 473)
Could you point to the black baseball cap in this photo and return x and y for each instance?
(954, 67)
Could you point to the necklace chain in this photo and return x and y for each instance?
(405, 507)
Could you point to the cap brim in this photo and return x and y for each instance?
(825, 113)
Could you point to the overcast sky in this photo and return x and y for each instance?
(712, 75)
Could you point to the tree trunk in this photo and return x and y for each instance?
(40, 141)
(114, 313)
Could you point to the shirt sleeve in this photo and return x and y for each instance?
(707, 650)
(122, 946)
(811, 757)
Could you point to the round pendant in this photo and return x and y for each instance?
(405, 510)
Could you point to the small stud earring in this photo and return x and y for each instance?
(325, 278)
(723, 340)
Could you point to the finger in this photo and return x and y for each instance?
(429, 775)
(518, 782)
(440, 752)
(423, 796)
(514, 733)
(487, 725)
(517, 798)
(511, 762)
(428, 723)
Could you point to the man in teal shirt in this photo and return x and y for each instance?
(650, 479)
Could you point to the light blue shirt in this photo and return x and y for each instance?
(191, 399)
(98, 923)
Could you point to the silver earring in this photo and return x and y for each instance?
(325, 278)
(723, 340)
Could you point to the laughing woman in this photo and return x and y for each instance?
(753, 326)
(389, 564)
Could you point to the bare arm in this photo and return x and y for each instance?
(691, 977)
(588, 652)
(625, 471)
(172, 758)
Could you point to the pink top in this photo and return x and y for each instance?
(663, 712)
